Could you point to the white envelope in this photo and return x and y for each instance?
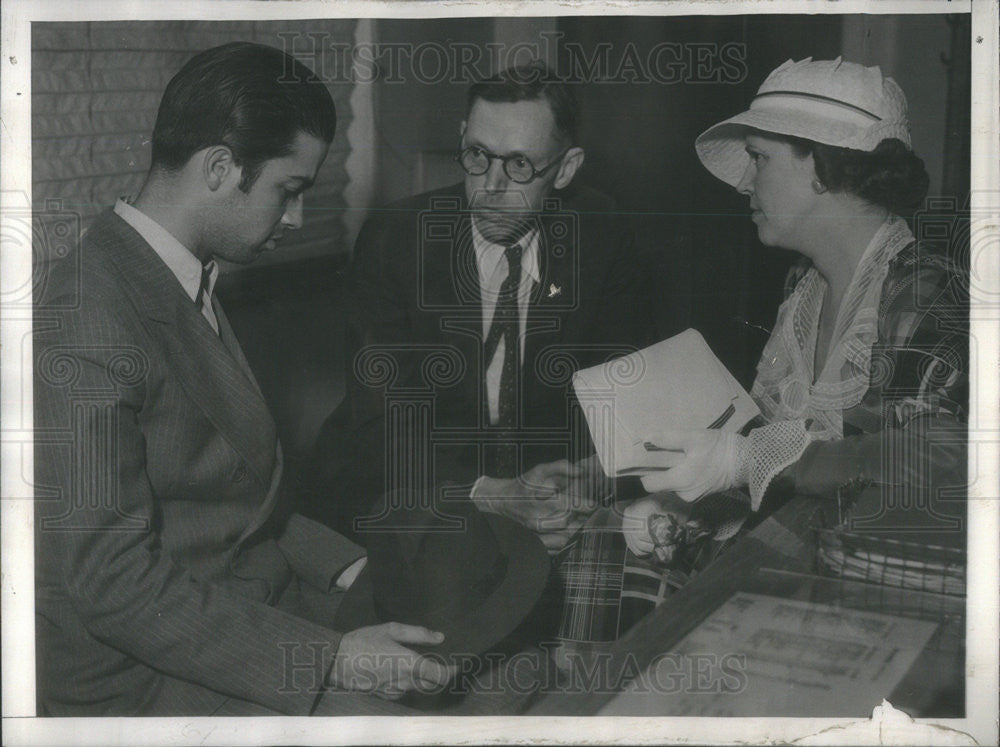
(676, 383)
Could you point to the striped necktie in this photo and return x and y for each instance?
(206, 278)
(506, 326)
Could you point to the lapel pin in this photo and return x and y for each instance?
(554, 290)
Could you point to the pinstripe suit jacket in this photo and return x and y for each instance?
(169, 575)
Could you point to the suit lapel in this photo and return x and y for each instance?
(449, 275)
(465, 321)
(228, 338)
(216, 378)
(451, 292)
(554, 297)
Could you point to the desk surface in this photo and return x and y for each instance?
(776, 558)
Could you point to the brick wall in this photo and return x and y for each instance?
(95, 91)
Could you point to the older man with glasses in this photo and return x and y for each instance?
(470, 307)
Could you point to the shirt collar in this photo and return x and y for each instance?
(178, 258)
(488, 255)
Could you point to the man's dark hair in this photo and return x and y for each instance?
(250, 97)
(531, 82)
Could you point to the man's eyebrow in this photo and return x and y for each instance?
(509, 154)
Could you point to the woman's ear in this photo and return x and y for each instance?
(809, 164)
(572, 160)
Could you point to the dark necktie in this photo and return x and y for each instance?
(506, 326)
(206, 277)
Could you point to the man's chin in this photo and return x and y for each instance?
(502, 227)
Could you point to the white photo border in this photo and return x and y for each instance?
(21, 727)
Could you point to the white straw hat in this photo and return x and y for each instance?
(827, 101)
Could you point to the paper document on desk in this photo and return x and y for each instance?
(676, 383)
(765, 656)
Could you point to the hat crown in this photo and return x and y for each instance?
(833, 102)
(864, 88)
(429, 570)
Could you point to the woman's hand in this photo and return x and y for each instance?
(710, 461)
(635, 520)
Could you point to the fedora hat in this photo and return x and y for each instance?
(471, 575)
(833, 102)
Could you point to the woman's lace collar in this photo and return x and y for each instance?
(784, 388)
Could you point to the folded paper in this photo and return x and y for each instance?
(675, 384)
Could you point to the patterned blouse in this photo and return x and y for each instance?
(904, 429)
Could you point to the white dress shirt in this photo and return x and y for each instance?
(182, 263)
(492, 263)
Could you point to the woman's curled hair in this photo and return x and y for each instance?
(891, 175)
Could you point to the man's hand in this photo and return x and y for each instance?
(373, 660)
(592, 484)
(553, 499)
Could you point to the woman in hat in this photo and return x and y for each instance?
(863, 380)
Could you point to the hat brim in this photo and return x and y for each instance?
(722, 147)
(528, 567)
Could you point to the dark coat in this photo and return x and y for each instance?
(415, 356)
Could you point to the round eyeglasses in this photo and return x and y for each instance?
(476, 161)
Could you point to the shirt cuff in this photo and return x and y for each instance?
(475, 487)
(481, 502)
(351, 573)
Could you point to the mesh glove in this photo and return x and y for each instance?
(712, 461)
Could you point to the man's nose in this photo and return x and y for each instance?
(496, 177)
(745, 185)
(293, 213)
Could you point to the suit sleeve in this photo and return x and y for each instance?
(317, 554)
(99, 535)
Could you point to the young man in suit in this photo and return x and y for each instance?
(171, 578)
(469, 309)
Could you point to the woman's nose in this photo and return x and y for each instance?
(745, 185)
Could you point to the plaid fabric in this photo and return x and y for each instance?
(603, 589)
(923, 340)
(590, 573)
(645, 586)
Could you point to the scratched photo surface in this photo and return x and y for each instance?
(593, 365)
